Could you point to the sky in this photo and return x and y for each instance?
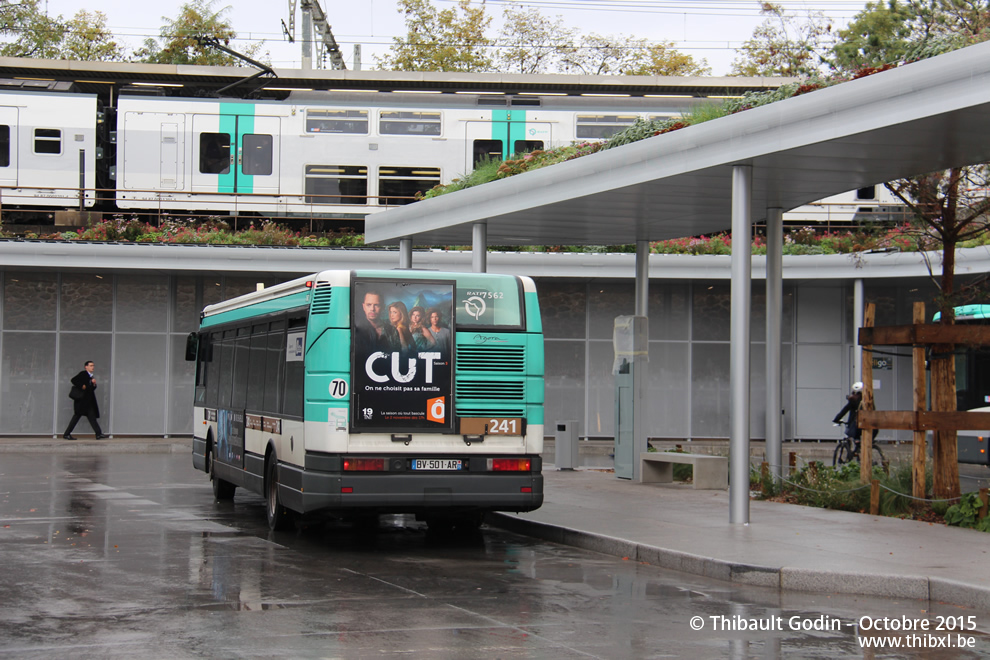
(704, 29)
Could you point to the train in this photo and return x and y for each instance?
(334, 155)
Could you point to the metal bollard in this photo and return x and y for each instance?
(565, 445)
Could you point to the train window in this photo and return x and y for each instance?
(337, 121)
(336, 184)
(47, 141)
(487, 150)
(525, 146)
(406, 122)
(257, 154)
(398, 185)
(4, 145)
(869, 192)
(214, 153)
(602, 126)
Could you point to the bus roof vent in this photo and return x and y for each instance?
(321, 298)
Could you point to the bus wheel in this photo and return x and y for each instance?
(279, 517)
(222, 489)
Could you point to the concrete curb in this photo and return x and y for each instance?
(783, 579)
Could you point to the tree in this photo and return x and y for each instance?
(949, 206)
(662, 60)
(599, 55)
(87, 38)
(880, 34)
(529, 42)
(781, 46)
(34, 33)
(904, 31)
(449, 40)
(180, 37)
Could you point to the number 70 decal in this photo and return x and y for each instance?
(338, 388)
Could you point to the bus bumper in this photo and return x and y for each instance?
(309, 491)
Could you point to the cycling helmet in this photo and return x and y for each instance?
(858, 386)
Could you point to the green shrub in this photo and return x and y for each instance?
(966, 513)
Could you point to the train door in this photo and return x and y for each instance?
(152, 154)
(8, 147)
(507, 133)
(235, 154)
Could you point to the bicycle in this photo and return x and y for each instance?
(847, 450)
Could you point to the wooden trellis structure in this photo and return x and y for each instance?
(945, 418)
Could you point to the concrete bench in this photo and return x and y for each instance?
(710, 472)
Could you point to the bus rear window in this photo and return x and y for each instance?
(491, 302)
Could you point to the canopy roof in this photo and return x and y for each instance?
(922, 117)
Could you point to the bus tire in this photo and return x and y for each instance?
(222, 489)
(279, 518)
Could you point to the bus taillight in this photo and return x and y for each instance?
(509, 464)
(364, 464)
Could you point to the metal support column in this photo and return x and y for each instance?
(859, 304)
(307, 36)
(775, 300)
(641, 364)
(642, 278)
(479, 247)
(405, 253)
(742, 195)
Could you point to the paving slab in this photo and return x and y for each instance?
(787, 546)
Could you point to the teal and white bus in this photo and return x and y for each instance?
(972, 385)
(366, 392)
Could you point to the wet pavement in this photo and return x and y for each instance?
(127, 555)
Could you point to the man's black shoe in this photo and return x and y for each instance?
(68, 437)
(101, 436)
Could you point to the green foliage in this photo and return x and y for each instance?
(180, 37)
(682, 471)
(643, 129)
(966, 513)
(784, 46)
(532, 43)
(661, 59)
(212, 232)
(33, 32)
(87, 38)
(491, 169)
(448, 40)
(876, 36)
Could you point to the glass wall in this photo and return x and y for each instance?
(689, 355)
(133, 326)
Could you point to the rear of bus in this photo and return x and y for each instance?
(423, 394)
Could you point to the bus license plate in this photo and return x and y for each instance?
(436, 464)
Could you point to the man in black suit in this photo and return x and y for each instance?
(85, 406)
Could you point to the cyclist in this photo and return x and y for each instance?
(853, 401)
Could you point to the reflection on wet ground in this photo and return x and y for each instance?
(129, 556)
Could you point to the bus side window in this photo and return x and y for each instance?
(212, 370)
(292, 398)
(203, 354)
(226, 370)
(256, 370)
(242, 348)
(274, 373)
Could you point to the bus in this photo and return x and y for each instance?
(358, 393)
(972, 385)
